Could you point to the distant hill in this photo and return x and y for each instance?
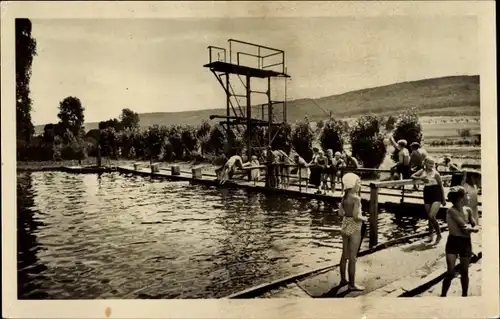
(446, 96)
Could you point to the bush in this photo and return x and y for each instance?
(155, 136)
(282, 138)
(367, 142)
(302, 138)
(108, 142)
(216, 140)
(464, 133)
(189, 140)
(332, 135)
(389, 125)
(407, 127)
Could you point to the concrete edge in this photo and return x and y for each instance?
(433, 279)
(260, 289)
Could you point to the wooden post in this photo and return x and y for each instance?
(175, 170)
(197, 173)
(99, 161)
(373, 215)
(300, 178)
(155, 168)
(402, 194)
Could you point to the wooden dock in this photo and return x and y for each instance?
(420, 266)
(385, 195)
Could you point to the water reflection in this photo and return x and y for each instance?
(126, 236)
(30, 270)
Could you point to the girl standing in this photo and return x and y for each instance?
(461, 224)
(350, 210)
(433, 195)
(255, 171)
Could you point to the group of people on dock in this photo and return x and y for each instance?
(326, 169)
(462, 217)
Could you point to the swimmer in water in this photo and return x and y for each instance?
(352, 222)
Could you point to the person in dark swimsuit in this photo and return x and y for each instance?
(322, 164)
(433, 194)
(461, 224)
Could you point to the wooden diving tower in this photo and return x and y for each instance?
(265, 64)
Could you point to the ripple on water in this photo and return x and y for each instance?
(126, 236)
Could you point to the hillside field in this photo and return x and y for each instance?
(445, 105)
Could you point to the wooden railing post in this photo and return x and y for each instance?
(402, 194)
(373, 215)
(300, 178)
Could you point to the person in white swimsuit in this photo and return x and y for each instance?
(433, 194)
(352, 222)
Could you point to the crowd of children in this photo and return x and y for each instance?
(280, 167)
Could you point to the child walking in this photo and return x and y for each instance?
(461, 224)
(352, 222)
(433, 195)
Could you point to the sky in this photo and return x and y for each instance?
(156, 65)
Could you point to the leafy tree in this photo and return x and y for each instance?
(302, 138)
(175, 142)
(114, 123)
(389, 124)
(155, 136)
(320, 124)
(108, 142)
(203, 136)
(464, 133)
(129, 119)
(282, 137)
(25, 51)
(189, 140)
(217, 139)
(332, 135)
(71, 115)
(367, 142)
(407, 127)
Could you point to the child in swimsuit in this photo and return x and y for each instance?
(255, 172)
(461, 224)
(352, 221)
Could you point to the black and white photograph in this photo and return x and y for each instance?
(253, 155)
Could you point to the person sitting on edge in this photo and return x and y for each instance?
(459, 244)
(352, 222)
(403, 165)
(227, 171)
(447, 164)
(255, 171)
(303, 170)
